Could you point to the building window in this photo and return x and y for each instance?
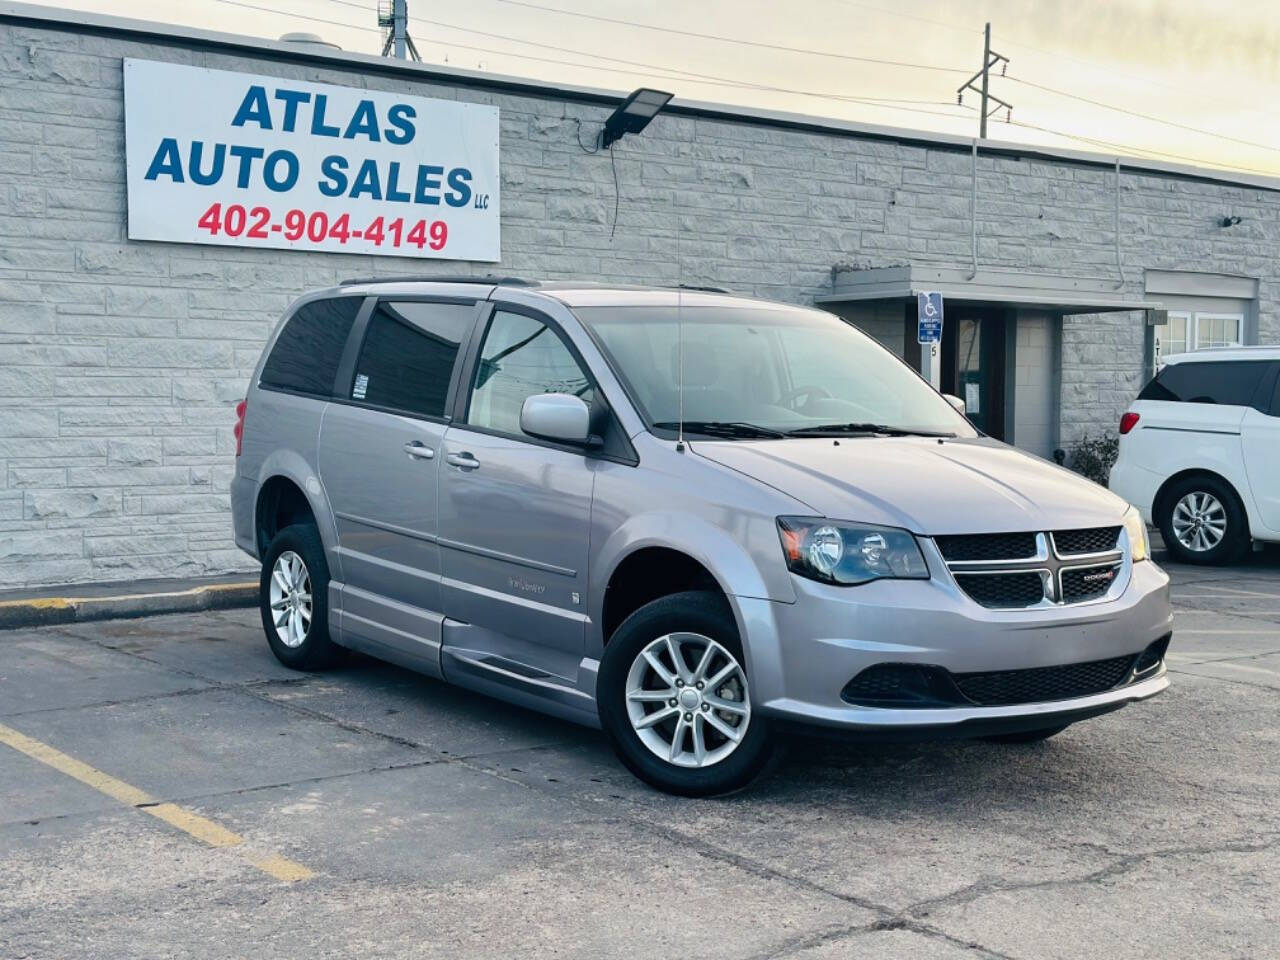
(1217, 330)
(1187, 330)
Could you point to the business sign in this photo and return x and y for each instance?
(928, 318)
(241, 160)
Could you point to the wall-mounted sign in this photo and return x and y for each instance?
(929, 318)
(252, 161)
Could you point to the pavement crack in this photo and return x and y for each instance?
(208, 685)
(1241, 614)
(1242, 656)
(1124, 863)
(1209, 676)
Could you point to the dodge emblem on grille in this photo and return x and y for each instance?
(1099, 577)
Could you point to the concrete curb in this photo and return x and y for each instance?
(47, 610)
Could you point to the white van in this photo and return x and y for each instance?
(1200, 452)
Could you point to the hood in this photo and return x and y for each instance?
(958, 486)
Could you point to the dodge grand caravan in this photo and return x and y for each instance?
(689, 518)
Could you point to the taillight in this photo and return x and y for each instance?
(241, 407)
(1127, 421)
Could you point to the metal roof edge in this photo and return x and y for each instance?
(64, 20)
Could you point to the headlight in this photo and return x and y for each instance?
(849, 553)
(1137, 531)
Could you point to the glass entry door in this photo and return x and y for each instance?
(973, 345)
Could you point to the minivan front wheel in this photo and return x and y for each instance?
(1202, 521)
(292, 597)
(674, 698)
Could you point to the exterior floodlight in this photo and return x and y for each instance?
(634, 114)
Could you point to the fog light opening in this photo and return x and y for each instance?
(1150, 659)
(902, 685)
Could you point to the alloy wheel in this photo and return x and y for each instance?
(687, 700)
(291, 599)
(1199, 521)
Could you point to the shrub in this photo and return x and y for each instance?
(1093, 457)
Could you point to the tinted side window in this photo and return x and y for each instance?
(521, 357)
(306, 354)
(1228, 382)
(1275, 399)
(408, 356)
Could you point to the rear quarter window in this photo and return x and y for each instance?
(1231, 382)
(306, 355)
(409, 352)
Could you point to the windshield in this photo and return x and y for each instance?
(765, 371)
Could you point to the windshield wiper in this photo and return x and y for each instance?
(733, 429)
(842, 429)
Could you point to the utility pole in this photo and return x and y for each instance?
(989, 59)
(394, 19)
(400, 28)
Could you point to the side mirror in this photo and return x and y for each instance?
(557, 416)
(955, 401)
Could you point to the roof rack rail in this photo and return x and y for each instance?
(701, 288)
(411, 278)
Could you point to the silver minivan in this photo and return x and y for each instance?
(689, 518)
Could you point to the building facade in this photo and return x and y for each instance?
(121, 360)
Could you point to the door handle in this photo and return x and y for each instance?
(464, 460)
(418, 450)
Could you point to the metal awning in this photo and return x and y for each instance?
(1015, 288)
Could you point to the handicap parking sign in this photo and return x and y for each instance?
(929, 318)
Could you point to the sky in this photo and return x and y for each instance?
(1185, 81)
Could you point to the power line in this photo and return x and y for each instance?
(669, 73)
(734, 40)
(690, 77)
(1140, 152)
(1143, 116)
(300, 16)
(671, 30)
(648, 69)
(892, 13)
(1057, 54)
(715, 78)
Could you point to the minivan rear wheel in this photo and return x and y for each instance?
(292, 597)
(1202, 521)
(674, 699)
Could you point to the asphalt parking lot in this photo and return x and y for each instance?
(166, 789)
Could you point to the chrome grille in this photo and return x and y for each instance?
(1011, 571)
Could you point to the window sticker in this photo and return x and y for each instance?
(361, 387)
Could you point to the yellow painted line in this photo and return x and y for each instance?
(202, 828)
(281, 868)
(58, 603)
(53, 603)
(189, 822)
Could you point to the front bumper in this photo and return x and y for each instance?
(801, 655)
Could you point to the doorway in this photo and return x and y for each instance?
(973, 364)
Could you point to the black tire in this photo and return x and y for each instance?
(1235, 542)
(702, 613)
(1026, 736)
(317, 650)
